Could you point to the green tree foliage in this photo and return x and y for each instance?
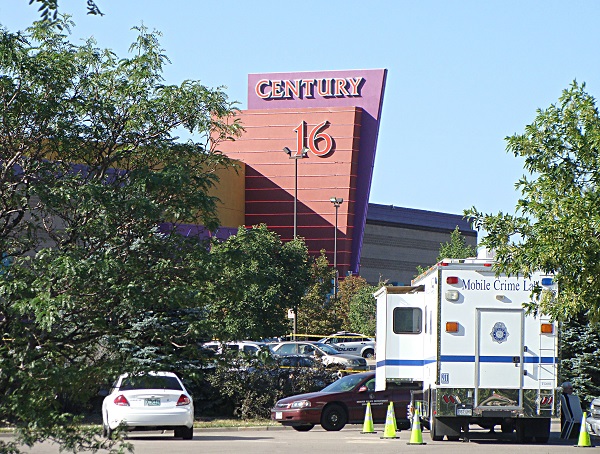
(362, 316)
(90, 167)
(258, 383)
(456, 248)
(580, 356)
(349, 288)
(316, 315)
(49, 9)
(557, 221)
(257, 279)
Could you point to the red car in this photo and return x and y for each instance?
(343, 402)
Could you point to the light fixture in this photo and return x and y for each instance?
(295, 156)
(337, 201)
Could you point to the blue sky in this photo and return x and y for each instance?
(462, 75)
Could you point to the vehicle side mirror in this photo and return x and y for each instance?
(103, 392)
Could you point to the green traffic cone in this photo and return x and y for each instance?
(368, 424)
(394, 416)
(416, 436)
(390, 424)
(584, 436)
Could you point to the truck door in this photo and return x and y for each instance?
(499, 357)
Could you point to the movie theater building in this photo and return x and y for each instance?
(308, 152)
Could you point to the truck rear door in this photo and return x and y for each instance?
(499, 358)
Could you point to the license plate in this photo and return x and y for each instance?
(464, 412)
(278, 415)
(152, 402)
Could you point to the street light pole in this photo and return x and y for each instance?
(300, 154)
(295, 156)
(337, 201)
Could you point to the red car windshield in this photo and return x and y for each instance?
(344, 384)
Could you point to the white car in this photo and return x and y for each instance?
(152, 401)
(593, 420)
(353, 343)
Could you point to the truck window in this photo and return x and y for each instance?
(407, 320)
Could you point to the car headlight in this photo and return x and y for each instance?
(354, 362)
(300, 404)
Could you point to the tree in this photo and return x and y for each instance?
(90, 169)
(580, 356)
(257, 278)
(49, 9)
(362, 316)
(556, 226)
(349, 288)
(316, 314)
(456, 248)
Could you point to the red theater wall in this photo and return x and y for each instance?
(270, 181)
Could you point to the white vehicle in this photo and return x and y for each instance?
(153, 401)
(593, 421)
(353, 343)
(461, 333)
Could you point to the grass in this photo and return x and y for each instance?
(213, 423)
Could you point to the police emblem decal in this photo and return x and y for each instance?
(499, 332)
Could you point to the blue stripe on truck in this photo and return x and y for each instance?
(465, 359)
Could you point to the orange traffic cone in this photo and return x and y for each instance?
(368, 424)
(584, 436)
(390, 423)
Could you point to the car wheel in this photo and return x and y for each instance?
(305, 428)
(334, 418)
(187, 433)
(368, 354)
(106, 431)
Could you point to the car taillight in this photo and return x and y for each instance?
(121, 401)
(183, 400)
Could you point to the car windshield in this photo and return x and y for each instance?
(150, 382)
(344, 384)
(327, 349)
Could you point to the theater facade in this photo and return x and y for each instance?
(309, 139)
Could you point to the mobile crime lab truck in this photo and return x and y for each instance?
(461, 334)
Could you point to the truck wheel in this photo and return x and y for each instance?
(523, 435)
(334, 418)
(368, 353)
(433, 433)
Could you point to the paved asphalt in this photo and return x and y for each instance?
(279, 440)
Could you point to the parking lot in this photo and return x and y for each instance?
(284, 440)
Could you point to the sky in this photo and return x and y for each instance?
(462, 75)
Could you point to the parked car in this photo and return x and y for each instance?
(593, 421)
(150, 401)
(354, 343)
(241, 346)
(343, 402)
(327, 354)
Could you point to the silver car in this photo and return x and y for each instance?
(593, 420)
(327, 354)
